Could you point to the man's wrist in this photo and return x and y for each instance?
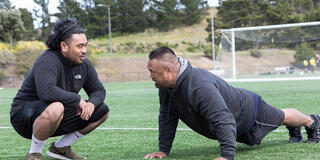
(82, 102)
(167, 153)
(90, 103)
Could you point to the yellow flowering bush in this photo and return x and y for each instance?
(21, 45)
(26, 52)
(4, 46)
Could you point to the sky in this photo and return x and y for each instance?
(30, 5)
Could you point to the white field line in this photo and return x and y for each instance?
(272, 79)
(144, 129)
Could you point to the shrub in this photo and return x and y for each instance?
(255, 53)
(25, 58)
(90, 54)
(5, 59)
(208, 51)
(304, 52)
(4, 46)
(162, 44)
(21, 45)
(2, 77)
(191, 49)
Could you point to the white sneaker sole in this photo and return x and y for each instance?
(56, 156)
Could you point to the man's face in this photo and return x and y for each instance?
(158, 73)
(75, 49)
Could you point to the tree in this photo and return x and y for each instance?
(97, 17)
(304, 52)
(192, 13)
(282, 12)
(27, 20)
(11, 25)
(129, 16)
(255, 13)
(302, 6)
(168, 14)
(72, 9)
(5, 4)
(44, 15)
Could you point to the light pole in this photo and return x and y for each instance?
(212, 4)
(109, 26)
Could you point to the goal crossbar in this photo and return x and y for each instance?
(272, 26)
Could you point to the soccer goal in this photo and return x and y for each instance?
(286, 51)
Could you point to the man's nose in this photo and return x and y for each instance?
(84, 50)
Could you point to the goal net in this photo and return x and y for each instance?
(274, 51)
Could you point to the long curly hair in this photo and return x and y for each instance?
(62, 31)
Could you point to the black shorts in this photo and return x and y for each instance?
(23, 115)
(268, 119)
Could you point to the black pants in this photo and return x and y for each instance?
(24, 114)
(268, 119)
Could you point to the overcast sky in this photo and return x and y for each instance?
(30, 5)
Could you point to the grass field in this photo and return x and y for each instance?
(135, 106)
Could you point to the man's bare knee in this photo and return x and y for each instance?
(53, 111)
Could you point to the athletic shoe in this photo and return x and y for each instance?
(314, 130)
(295, 134)
(33, 156)
(65, 153)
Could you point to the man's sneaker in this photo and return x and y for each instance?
(314, 130)
(295, 134)
(65, 153)
(33, 156)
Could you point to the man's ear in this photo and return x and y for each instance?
(63, 46)
(169, 71)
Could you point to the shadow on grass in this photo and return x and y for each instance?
(195, 152)
(262, 145)
(210, 152)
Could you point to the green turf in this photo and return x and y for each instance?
(135, 105)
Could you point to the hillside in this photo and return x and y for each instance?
(184, 40)
(115, 69)
(135, 68)
(129, 58)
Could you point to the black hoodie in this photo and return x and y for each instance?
(52, 79)
(209, 106)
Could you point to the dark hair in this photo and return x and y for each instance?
(62, 30)
(159, 52)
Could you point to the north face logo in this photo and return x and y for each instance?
(77, 76)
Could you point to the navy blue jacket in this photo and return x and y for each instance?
(52, 79)
(209, 106)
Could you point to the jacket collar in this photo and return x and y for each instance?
(183, 75)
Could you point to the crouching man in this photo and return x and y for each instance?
(48, 103)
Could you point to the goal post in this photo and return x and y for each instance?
(272, 51)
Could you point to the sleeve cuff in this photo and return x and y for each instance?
(167, 153)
